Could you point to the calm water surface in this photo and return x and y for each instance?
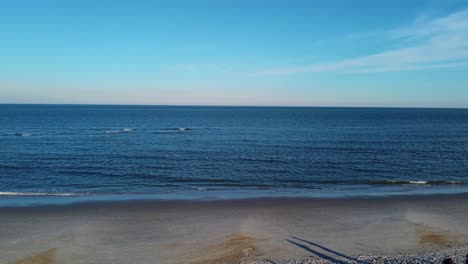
(224, 152)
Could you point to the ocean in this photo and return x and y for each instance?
(63, 153)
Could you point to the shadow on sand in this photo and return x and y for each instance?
(313, 248)
(344, 259)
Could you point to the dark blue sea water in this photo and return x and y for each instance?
(173, 152)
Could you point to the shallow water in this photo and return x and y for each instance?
(213, 152)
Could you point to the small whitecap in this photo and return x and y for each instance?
(418, 182)
(35, 194)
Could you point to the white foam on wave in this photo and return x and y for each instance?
(36, 194)
(123, 130)
(458, 182)
(418, 182)
(172, 130)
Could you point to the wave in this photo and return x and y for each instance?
(369, 182)
(16, 134)
(36, 194)
(176, 129)
(23, 134)
(123, 130)
(398, 182)
(419, 182)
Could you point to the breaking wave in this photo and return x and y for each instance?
(123, 130)
(176, 129)
(36, 194)
(402, 182)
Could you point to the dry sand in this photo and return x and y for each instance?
(277, 230)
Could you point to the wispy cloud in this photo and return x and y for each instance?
(427, 43)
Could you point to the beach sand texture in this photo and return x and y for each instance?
(46, 257)
(280, 230)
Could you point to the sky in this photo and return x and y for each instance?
(243, 52)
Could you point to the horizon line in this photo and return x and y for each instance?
(208, 105)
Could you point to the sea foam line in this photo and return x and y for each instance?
(36, 194)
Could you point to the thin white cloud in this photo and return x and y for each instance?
(429, 43)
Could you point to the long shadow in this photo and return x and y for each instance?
(329, 250)
(334, 260)
(333, 252)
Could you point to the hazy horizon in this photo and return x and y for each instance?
(214, 105)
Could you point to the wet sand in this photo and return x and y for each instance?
(276, 230)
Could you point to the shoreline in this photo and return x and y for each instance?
(71, 199)
(236, 231)
(104, 200)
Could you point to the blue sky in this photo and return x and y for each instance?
(308, 53)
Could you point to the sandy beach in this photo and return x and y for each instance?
(276, 230)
